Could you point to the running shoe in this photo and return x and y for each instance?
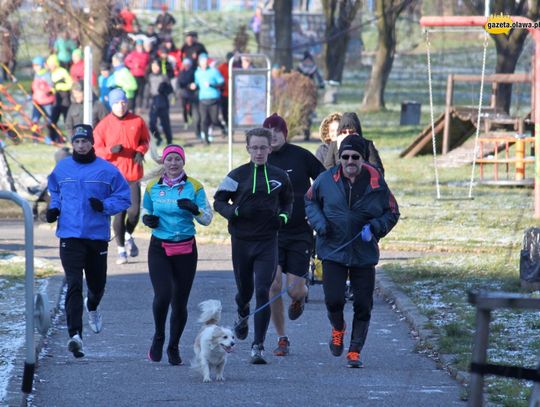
(283, 346)
(173, 354)
(75, 346)
(122, 258)
(156, 349)
(131, 247)
(336, 343)
(296, 309)
(95, 320)
(353, 360)
(257, 355)
(241, 328)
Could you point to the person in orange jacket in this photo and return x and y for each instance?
(122, 138)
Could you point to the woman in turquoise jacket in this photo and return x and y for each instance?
(171, 203)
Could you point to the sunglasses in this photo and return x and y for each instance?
(353, 156)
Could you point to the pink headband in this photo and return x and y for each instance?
(173, 148)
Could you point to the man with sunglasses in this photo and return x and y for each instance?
(351, 208)
(256, 198)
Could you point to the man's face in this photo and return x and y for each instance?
(189, 40)
(278, 139)
(120, 108)
(258, 149)
(347, 131)
(81, 146)
(351, 163)
(78, 96)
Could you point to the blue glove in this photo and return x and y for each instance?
(366, 233)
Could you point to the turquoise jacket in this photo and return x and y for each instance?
(176, 224)
(209, 83)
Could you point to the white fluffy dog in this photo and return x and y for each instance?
(213, 342)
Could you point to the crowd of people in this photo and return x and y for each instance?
(282, 207)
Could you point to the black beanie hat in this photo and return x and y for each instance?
(350, 120)
(355, 143)
(83, 131)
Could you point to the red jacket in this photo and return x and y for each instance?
(223, 69)
(132, 133)
(128, 18)
(77, 73)
(137, 62)
(42, 88)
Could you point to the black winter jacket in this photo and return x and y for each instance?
(337, 223)
(269, 189)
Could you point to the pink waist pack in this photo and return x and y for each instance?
(175, 249)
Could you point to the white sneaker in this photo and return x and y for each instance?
(75, 346)
(122, 258)
(95, 320)
(131, 247)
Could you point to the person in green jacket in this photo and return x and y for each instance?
(121, 77)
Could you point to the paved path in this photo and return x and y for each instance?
(116, 372)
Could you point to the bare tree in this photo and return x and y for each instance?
(387, 13)
(339, 15)
(283, 29)
(509, 47)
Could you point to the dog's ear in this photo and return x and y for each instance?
(218, 332)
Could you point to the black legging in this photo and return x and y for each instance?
(209, 113)
(172, 278)
(362, 284)
(120, 224)
(254, 260)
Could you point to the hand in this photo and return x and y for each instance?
(138, 158)
(366, 233)
(188, 205)
(151, 221)
(278, 222)
(117, 148)
(96, 204)
(325, 231)
(52, 215)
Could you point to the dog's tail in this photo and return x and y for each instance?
(210, 312)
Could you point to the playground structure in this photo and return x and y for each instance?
(480, 21)
(500, 131)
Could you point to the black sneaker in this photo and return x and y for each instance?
(75, 346)
(241, 328)
(174, 356)
(336, 343)
(156, 349)
(257, 355)
(296, 309)
(353, 360)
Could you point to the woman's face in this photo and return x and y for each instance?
(332, 130)
(173, 165)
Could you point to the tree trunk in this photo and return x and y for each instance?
(380, 71)
(283, 30)
(339, 15)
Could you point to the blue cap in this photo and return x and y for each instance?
(203, 56)
(38, 61)
(117, 95)
(83, 131)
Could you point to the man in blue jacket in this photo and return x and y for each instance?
(351, 208)
(85, 192)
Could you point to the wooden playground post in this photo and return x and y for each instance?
(447, 112)
(480, 21)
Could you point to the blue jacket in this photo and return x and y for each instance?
(176, 224)
(71, 184)
(209, 82)
(337, 223)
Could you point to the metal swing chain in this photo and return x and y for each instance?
(433, 141)
(475, 152)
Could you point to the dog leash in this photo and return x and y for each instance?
(282, 292)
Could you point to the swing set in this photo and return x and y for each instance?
(430, 22)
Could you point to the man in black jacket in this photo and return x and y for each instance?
(295, 239)
(351, 208)
(256, 199)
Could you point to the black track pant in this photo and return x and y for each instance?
(172, 278)
(362, 284)
(78, 255)
(121, 225)
(209, 111)
(254, 264)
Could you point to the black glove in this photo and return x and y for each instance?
(278, 222)
(138, 158)
(151, 221)
(188, 205)
(249, 209)
(52, 215)
(96, 204)
(117, 148)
